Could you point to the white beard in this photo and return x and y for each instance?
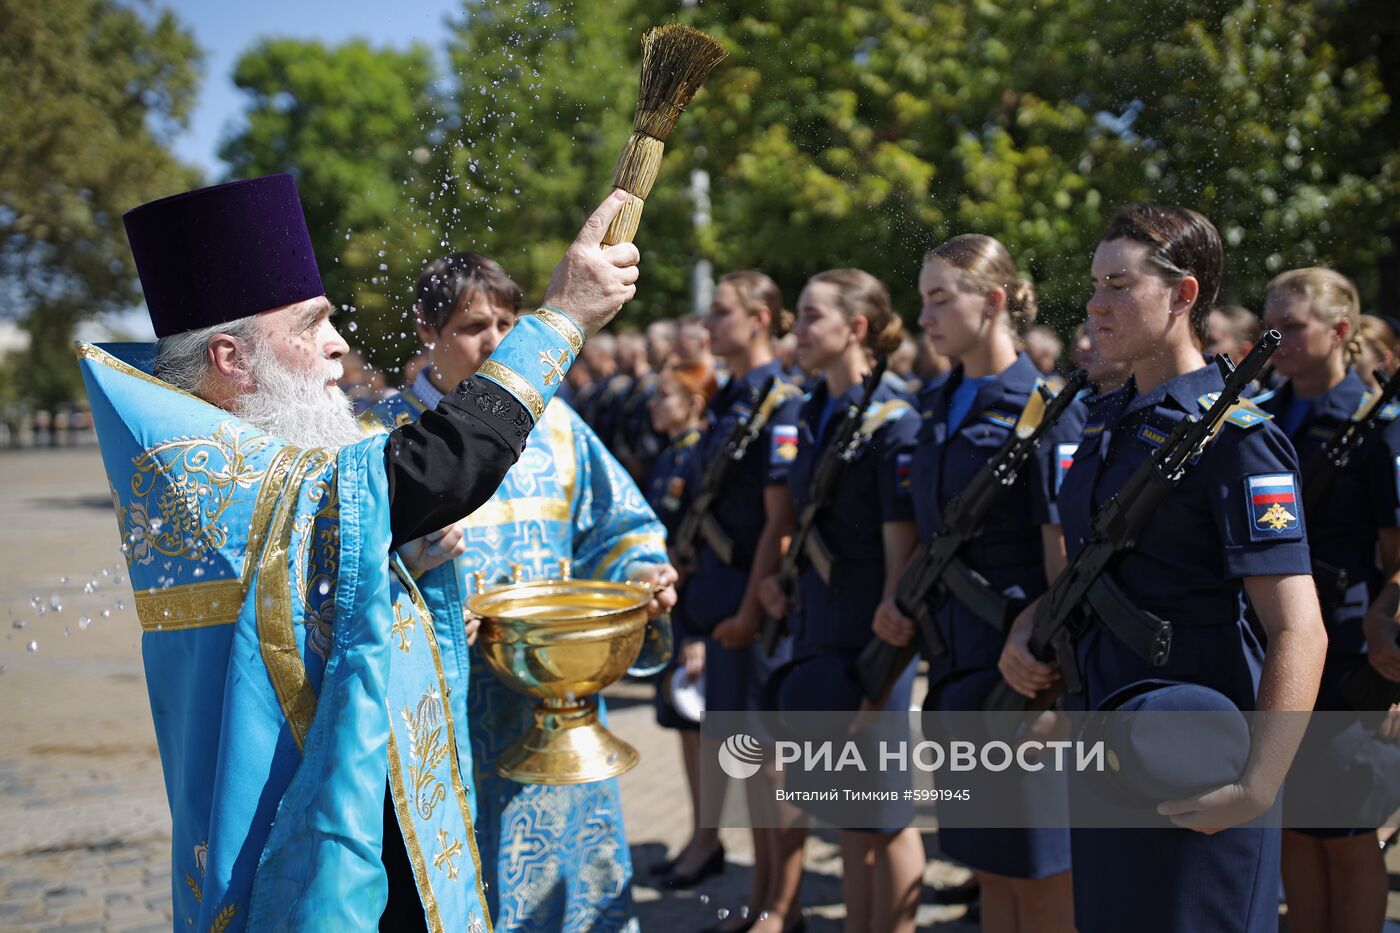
(298, 407)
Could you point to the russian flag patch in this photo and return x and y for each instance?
(1064, 459)
(784, 443)
(1273, 507)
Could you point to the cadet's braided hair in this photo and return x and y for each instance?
(1332, 298)
(1182, 243)
(860, 294)
(984, 264)
(756, 290)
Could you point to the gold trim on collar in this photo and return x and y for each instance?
(216, 602)
(515, 383)
(562, 325)
(87, 351)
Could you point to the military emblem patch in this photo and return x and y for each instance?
(1242, 414)
(784, 443)
(674, 489)
(999, 418)
(1273, 507)
(1151, 436)
(903, 465)
(1064, 459)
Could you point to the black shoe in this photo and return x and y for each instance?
(712, 866)
(664, 867)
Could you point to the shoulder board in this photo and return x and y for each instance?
(690, 440)
(1242, 414)
(1389, 412)
(780, 393)
(882, 413)
(1055, 382)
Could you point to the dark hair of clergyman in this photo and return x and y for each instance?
(446, 284)
(1183, 243)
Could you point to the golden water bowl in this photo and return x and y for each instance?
(563, 641)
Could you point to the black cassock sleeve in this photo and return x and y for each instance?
(448, 462)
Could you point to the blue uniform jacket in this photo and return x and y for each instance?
(1343, 532)
(873, 490)
(1009, 552)
(1219, 526)
(714, 591)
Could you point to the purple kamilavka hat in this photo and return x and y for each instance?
(218, 254)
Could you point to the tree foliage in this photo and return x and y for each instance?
(91, 93)
(863, 133)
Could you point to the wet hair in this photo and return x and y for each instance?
(1182, 243)
(756, 290)
(984, 264)
(445, 285)
(694, 378)
(860, 294)
(1331, 296)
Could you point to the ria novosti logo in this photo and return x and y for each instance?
(740, 756)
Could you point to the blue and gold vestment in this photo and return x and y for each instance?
(554, 858)
(291, 665)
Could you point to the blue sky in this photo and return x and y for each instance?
(225, 30)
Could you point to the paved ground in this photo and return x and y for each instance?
(86, 835)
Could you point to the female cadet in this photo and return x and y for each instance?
(974, 303)
(721, 597)
(1215, 537)
(678, 412)
(842, 314)
(1335, 879)
(1379, 349)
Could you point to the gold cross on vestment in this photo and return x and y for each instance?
(448, 852)
(555, 362)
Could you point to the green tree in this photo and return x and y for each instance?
(353, 124)
(92, 93)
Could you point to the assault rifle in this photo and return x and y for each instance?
(1085, 590)
(807, 543)
(698, 521)
(937, 572)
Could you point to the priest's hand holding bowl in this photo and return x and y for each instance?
(662, 580)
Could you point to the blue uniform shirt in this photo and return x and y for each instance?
(873, 490)
(714, 591)
(674, 478)
(1218, 526)
(1009, 551)
(1343, 532)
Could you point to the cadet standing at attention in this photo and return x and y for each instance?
(974, 303)
(751, 516)
(1335, 879)
(1216, 537)
(861, 537)
(679, 412)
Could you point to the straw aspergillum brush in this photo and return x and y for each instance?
(675, 61)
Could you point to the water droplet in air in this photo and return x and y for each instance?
(32, 647)
(198, 571)
(84, 622)
(19, 623)
(704, 898)
(106, 613)
(722, 913)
